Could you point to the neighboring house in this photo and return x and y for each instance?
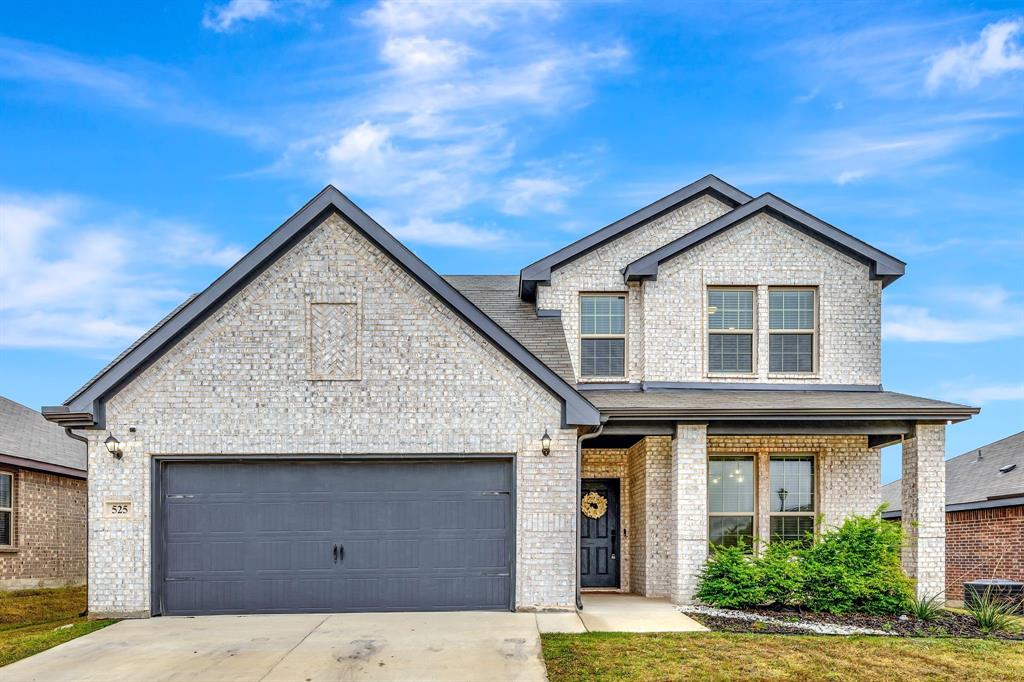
(42, 502)
(333, 426)
(984, 514)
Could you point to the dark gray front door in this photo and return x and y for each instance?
(272, 536)
(599, 533)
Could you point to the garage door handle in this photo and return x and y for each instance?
(335, 554)
(341, 552)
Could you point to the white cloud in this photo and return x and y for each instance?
(77, 274)
(972, 392)
(995, 52)
(427, 231)
(846, 177)
(421, 55)
(411, 16)
(970, 315)
(224, 17)
(527, 195)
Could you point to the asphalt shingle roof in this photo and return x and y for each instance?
(970, 479)
(25, 433)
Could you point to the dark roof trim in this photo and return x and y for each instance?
(35, 465)
(90, 399)
(883, 266)
(540, 271)
(717, 386)
(967, 506)
(952, 413)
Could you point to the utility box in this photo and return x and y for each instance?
(1006, 591)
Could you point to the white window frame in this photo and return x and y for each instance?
(625, 329)
(755, 514)
(813, 330)
(10, 509)
(815, 488)
(752, 332)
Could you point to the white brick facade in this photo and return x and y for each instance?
(924, 516)
(238, 385)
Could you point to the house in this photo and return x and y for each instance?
(984, 514)
(333, 426)
(42, 502)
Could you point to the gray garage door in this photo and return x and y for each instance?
(266, 537)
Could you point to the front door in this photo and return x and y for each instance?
(599, 533)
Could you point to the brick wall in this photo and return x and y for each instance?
(49, 532)
(981, 544)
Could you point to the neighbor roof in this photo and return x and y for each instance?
(726, 403)
(28, 440)
(976, 476)
(86, 407)
(540, 272)
(883, 266)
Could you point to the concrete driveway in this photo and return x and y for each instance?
(304, 648)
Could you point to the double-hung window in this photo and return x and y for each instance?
(6, 509)
(731, 330)
(731, 502)
(791, 330)
(792, 498)
(603, 335)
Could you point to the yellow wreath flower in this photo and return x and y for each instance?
(594, 505)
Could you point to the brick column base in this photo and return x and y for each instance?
(924, 509)
(689, 510)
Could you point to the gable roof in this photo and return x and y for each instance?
(975, 477)
(540, 271)
(498, 296)
(28, 440)
(85, 409)
(883, 266)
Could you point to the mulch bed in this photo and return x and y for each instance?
(949, 624)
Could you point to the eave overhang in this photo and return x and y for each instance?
(786, 414)
(882, 266)
(540, 271)
(85, 409)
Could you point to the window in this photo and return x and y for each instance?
(603, 336)
(793, 499)
(731, 330)
(731, 501)
(791, 324)
(6, 509)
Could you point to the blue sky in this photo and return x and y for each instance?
(146, 146)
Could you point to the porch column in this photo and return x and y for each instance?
(924, 508)
(689, 502)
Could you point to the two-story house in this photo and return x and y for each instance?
(333, 426)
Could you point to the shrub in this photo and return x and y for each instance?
(852, 569)
(925, 609)
(990, 613)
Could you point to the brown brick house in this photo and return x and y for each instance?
(42, 501)
(984, 514)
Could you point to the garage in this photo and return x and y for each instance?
(289, 536)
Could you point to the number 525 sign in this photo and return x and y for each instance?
(117, 509)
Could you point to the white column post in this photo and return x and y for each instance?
(924, 509)
(689, 510)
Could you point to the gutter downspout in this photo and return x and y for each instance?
(579, 493)
(72, 434)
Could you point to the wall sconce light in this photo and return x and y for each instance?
(113, 446)
(545, 443)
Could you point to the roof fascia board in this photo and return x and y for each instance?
(576, 409)
(883, 266)
(35, 465)
(539, 272)
(967, 506)
(726, 386)
(916, 414)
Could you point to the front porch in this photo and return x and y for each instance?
(664, 491)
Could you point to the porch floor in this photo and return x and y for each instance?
(616, 612)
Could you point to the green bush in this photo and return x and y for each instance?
(852, 569)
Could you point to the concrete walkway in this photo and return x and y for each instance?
(303, 648)
(616, 612)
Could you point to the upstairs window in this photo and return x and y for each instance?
(602, 335)
(792, 498)
(731, 330)
(792, 321)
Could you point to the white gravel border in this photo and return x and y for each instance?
(816, 628)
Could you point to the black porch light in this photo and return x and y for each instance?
(545, 443)
(113, 446)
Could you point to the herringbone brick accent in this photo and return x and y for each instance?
(334, 341)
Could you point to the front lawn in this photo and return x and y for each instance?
(34, 620)
(728, 656)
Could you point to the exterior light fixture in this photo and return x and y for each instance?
(113, 446)
(545, 443)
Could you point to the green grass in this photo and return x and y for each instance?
(728, 656)
(31, 620)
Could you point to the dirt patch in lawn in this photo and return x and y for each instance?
(727, 656)
(35, 620)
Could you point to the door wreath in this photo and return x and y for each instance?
(594, 505)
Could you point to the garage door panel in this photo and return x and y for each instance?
(415, 536)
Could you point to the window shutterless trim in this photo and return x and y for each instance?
(10, 509)
(812, 331)
(753, 457)
(815, 490)
(751, 332)
(624, 295)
